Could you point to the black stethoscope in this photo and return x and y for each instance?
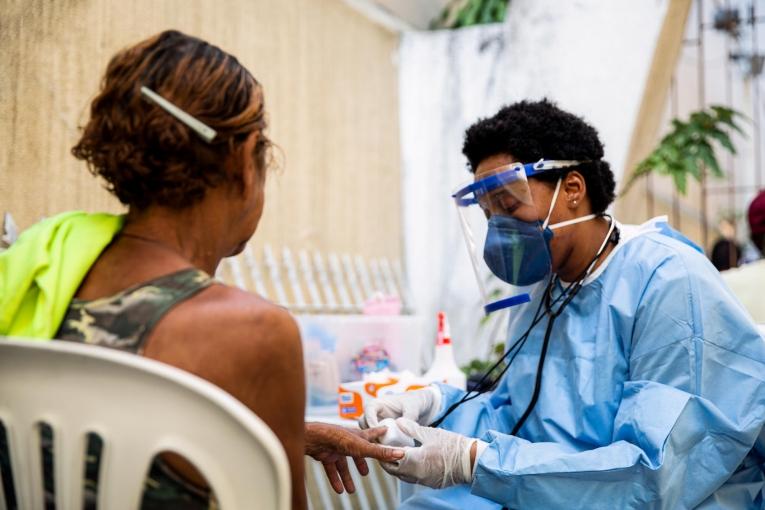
(547, 307)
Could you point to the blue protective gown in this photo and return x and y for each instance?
(653, 396)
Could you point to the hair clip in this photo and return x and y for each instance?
(203, 130)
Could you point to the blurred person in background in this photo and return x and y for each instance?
(177, 132)
(748, 281)
(726, 252)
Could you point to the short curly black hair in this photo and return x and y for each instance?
(532, 130)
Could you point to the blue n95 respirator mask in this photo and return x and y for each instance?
(512, 249)
(515, 252)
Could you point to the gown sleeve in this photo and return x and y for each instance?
(690, 410)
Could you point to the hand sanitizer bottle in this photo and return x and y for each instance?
(444, 369)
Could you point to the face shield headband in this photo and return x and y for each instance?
(482, 187)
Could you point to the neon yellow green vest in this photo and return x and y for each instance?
(42, 270)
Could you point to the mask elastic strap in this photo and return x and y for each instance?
(552, 204)
(567, 222)
(574, 221)
(575, 286)
(602, 246)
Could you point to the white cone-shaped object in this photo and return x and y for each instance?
(444, 369)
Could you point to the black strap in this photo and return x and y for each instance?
(538, 379)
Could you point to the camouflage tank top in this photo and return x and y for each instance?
(124, 321)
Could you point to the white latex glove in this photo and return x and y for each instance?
(394, 436)
(442, 460)
(421, 406)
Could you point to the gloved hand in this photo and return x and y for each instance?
(421, 406)
(442, 460)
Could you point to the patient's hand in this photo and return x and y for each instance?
(331, 444)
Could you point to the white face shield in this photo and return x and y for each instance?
(507, 242)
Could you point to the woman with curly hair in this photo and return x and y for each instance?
(632, 379)
(177, 132)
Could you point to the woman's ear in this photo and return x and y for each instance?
(574, 189)
(250, 174)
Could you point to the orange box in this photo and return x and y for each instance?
(352, 395)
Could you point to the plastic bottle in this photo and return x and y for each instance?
(444, 369)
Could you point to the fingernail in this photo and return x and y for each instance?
(397, 454)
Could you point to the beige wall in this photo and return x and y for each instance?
(331, 89)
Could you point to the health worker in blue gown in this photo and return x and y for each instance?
(632, 379)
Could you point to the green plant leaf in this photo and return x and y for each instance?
(464, 13)
(469, 15)
(678, 125)
(501, 12)
(732, 124)
(726, 114)
(707, 155)
(688, 165)
(681, 182)
(664, 166)
(687, 148)
(724, 140)
(486, 14)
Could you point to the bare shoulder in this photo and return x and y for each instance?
(227, 327)
(247, 346)
(231, 309)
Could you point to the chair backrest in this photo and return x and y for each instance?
(139, 408)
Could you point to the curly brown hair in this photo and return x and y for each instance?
(147, 156)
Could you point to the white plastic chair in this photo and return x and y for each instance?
(139, 408)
